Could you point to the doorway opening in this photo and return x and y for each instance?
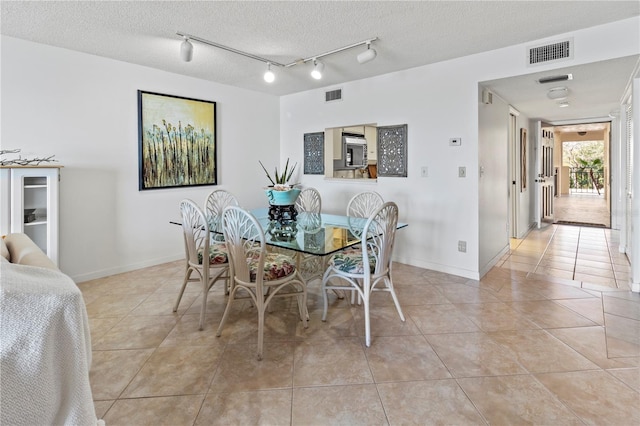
(582, 175)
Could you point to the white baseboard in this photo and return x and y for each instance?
(493, 261)
(473, 275)
(125, 268)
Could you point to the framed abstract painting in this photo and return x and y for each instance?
(176, 141)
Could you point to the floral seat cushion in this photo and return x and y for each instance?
(350, 261)
(218, 254)
(276, 266)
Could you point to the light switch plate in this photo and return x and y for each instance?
(462, 171)
(455, 141)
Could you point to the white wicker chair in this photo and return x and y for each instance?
(262, 275)
(368, 268)
(364, 203)
(309, 201)
(197, 242)
(214, 205)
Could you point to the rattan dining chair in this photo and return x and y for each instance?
(214, 205)
(367, 269)
(209, 262)
(309, 206)
(309, 201)
(363, 204)
(256, 274)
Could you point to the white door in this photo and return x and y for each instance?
(545, 175)
(513, 173)
(628, 146)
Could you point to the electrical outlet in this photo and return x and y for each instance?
(455, 141)
(462, 246)
(462, 171)
(424, 171)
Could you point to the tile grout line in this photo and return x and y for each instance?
(575, 260)
(615, 274)
(555, 229)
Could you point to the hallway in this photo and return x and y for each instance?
(581, 256)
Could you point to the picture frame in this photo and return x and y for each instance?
(523, 159)
(176, 141)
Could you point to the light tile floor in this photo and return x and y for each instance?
(513, 348)
(589, 256)
(582, 208)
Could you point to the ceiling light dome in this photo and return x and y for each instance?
(558, 93)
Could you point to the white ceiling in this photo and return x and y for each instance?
(410, 34)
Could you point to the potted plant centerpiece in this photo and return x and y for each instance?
(281, 192)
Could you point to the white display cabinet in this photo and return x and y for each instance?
(29, 204)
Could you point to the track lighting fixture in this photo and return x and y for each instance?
(186, 50)
(186, 53)
(317, 69)
(269, 76)
(367, 55)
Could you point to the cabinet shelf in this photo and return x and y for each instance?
(42, 221)
(29, 204)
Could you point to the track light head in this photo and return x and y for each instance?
(367, 55)
(269, 76)
(317, 69)
(186, 50)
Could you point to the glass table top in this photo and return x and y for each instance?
(313, 233)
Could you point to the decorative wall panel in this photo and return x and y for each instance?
(392, 151)
(314, 153)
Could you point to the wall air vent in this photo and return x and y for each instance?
(555, 78)
(557, 51)
(333, 95)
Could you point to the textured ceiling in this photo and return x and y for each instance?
(411, 33)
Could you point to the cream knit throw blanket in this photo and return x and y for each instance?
(45, 349)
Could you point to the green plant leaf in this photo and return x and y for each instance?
(267, 173)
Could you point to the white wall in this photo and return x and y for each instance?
(437, 102)
(493, 181)
(83, 109)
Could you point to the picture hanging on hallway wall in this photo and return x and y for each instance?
(176, 141)
(523, 159)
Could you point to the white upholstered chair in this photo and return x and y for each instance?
(262, 275)
(368, 268)
(208, 262)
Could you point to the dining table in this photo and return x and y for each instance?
(318, 234)
(313, 236)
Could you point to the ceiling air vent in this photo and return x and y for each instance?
(555, 78)
(333, 95)
(560, 50)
